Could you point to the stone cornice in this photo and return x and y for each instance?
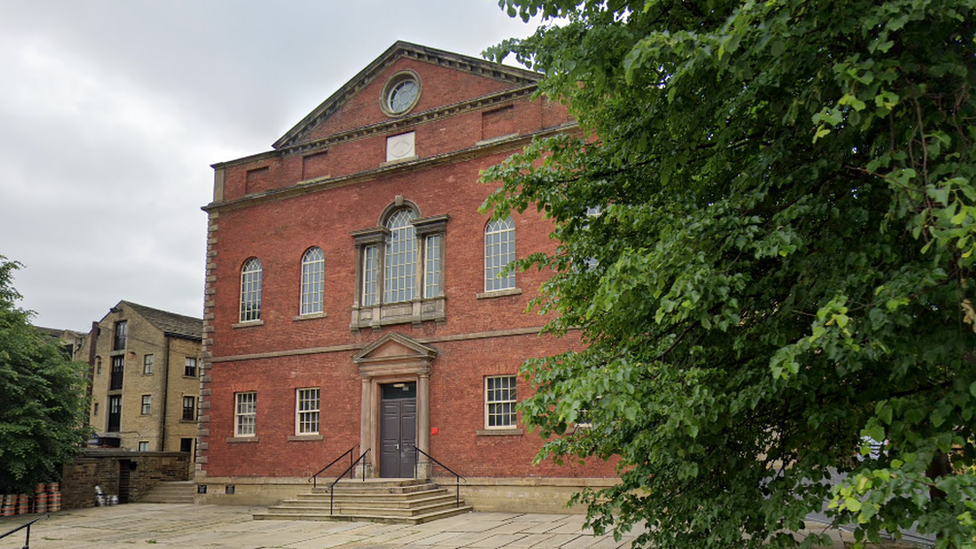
(326, 183)
(387, 127)
(402, 50)
(358, 347)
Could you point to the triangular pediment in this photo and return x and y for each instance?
(383, 66)
(394, 348)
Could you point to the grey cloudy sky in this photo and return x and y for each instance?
(111, 112)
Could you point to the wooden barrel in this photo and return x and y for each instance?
(7, 505)
(23, 504)
(54, 501)
(40, 502)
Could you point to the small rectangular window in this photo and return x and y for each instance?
(143, 445)
(307, 412)
(146, 405)
(245, 414)
(191, 367)
(370, 255)
(432, 266)
(189, 408)
(500, 402)
(147, 365)
(95, 412)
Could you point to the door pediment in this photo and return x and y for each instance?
(396, 352)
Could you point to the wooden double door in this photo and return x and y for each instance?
(398, 430)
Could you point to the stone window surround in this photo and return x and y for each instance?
(395, 80)
(417, 310)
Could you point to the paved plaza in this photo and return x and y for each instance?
(219, 526)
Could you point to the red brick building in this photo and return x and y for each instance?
(353, 295)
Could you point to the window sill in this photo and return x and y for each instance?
(498, 139)
(408, 312)
(188, 421)
(311, 316)
(515, 431)
(305, 438)
(239, 440)
(499, 293)
(248, 324)
(398, 161)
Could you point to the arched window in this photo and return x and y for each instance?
(251, 290)
(313, 282)
(499, 252)
(401, 268)
(401, 258)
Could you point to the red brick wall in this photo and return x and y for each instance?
(278, 232)
(456, 411)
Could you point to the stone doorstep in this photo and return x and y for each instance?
(380, 500)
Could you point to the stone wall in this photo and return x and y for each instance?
(98, 467)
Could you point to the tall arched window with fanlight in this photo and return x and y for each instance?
(401, 258)
(313, 282)
(400, 268)
(499, 253)
(251, 290)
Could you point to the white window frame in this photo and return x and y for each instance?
(146, 408)
(492, 399)
(147, 365)
(307, 411)
(245, 413)
(313, 282)
(186, 366)
(499, 253)
(433, 265)
(400, 259)
(252, 274)
(143, 445)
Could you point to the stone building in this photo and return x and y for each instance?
(69, 340)
(354, 297)
(145, 378)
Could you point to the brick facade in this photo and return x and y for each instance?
(329, 184)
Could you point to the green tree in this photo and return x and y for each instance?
(766, 226)
(42, 397)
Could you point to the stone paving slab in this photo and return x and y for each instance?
(174, 526)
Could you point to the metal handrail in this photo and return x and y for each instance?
(457, 477)
(21, 527)
(336, 481)
(315, 477)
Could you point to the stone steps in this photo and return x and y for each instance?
(375, 500)
(170, 492)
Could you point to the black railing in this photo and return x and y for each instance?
(314, 479)
(21, 527)
(457, 477)
(336, 481)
